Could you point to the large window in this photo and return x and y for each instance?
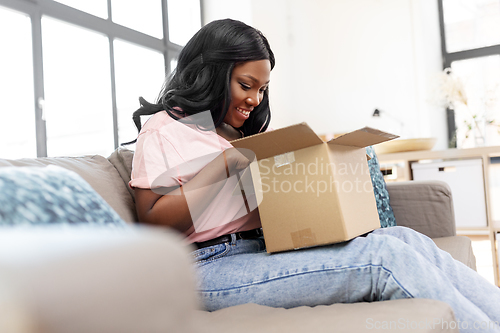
(17, 127)
(470, 42)
(72, 70)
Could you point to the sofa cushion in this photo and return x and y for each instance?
(95, 170)
(405, 315)
(385, 213)
(460, 248)
(121, 159)
(425, 206)
(44, 195)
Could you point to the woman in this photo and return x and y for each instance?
(185, 172)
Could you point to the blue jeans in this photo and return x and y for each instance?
(388, 263)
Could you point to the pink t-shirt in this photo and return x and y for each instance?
(170, 153)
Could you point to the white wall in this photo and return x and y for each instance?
(338, 60)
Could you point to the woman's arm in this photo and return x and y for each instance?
(172, 208)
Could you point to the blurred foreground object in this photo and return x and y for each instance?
(94, 279)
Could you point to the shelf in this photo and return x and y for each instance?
(473, 231)
(448, 154)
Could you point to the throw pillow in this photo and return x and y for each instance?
(384, 208)
(47, 195)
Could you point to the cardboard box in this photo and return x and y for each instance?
(312, 192)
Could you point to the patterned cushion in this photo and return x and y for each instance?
(44, 195)
(95, 170)
(384, 208)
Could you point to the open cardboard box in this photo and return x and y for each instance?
(312, 192)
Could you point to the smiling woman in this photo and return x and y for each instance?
(217, 93)
(185, 172)
(216, 62)
(249, 81)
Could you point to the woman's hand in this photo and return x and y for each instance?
(238, 159)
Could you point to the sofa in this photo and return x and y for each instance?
(140, 279)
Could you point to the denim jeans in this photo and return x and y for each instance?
(388, 263)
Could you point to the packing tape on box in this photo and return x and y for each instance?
(284, 159)
(303, 238)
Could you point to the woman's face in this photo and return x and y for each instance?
(249, 80)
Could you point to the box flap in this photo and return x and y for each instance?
(363, 137)
(279, 141)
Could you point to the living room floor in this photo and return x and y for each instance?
(482, 250)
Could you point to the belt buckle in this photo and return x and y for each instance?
(256, 233)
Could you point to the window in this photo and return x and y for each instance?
(17, 127)
(183, 20)
(470, 24)
(481, 77)
(127, 13)
(470, 43)
(78, 67)
(146, 83)
(94, 7)
(77, 89)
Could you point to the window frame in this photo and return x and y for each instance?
(35, 9)
(449, 57)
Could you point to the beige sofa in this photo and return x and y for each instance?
(76, 279)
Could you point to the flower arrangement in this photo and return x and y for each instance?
(450, 90)
(472, 114)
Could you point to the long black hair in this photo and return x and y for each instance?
(201, 81)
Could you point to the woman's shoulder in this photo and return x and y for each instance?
(156, 121)
(169, 128)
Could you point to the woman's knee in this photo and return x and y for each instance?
(404, 234)
(396, 230)
(390, 250)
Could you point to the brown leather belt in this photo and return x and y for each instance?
(250, 234)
